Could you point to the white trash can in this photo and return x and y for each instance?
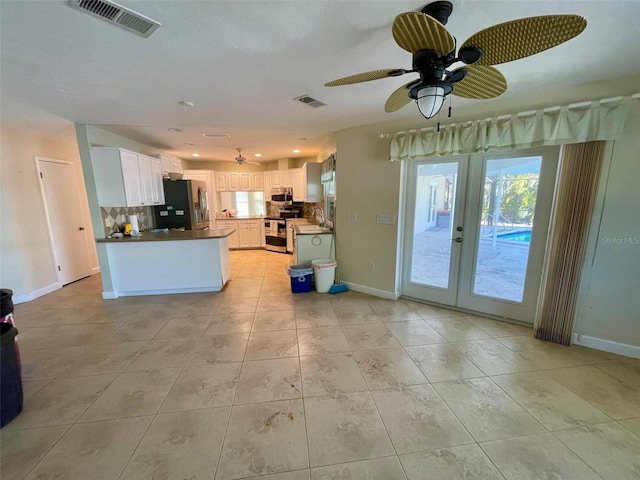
(324, 272)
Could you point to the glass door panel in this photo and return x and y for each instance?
(508, 207)
(479, 244)
(506, 226)
(432, 265)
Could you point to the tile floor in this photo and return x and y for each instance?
(256, 382)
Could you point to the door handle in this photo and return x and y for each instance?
(81, 228)
(458, 229)
(458, 240)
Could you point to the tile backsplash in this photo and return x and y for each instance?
(273, 209)
(111, 217)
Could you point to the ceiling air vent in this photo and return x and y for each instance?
(216, 135)
(119, 15)
(312, 102)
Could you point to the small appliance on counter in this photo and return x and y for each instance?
(185, 205)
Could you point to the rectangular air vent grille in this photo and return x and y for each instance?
(117, 14)
(216, 135)
(312, 102)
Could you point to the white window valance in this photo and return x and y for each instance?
(556, 126)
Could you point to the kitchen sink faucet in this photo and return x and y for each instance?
(321, 215)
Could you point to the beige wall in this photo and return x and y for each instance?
(26, 256)
(610, 295)
(366, 184)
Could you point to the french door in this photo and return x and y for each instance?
(476, 228)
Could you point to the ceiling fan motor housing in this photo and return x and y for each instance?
(439, 10)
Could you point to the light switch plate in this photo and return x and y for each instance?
(386, 219)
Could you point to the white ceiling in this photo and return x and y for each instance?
(243, 62)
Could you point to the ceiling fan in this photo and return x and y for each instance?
(242, 160)
(434, 52)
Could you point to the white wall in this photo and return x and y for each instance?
(609, 303)
(26, 257)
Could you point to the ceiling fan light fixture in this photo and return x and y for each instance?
(429, 100)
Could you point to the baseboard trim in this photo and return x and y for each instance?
(606, 345)
(110, 295)
(36, 293)
(376, 292)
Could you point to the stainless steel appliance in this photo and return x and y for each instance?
(281, 195)
(277, 233)
(275, 229)
(185, 205)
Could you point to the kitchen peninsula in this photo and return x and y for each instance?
(160, 263)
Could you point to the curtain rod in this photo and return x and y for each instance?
(526, 113)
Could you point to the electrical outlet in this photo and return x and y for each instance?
(371, 265)
(107, 223)
(386, 219)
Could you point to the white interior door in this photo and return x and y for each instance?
(61, 196)
(485, 250)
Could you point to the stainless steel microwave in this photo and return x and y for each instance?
(281, 194)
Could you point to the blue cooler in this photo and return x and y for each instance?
(300, 278)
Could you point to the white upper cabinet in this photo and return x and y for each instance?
(125, 178)
(158, 189)
(222, 181)
(130, 177)
(238, 182)
(146, 179)
(267, 185)
(257, 182)
(234, 181)
(170, 164)
(298, 185)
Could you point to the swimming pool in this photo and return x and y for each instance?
(523, 236)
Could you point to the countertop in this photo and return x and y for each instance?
(319, 231)
(160, 237)
(254, 217)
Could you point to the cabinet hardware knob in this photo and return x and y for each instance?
(81, 228)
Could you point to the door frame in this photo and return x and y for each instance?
(439, 295)
(47, 215)
(463, 207)
(543, 212)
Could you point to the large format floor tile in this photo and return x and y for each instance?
(257, 383)
(389, 367)
(467, 462)
(264, 438)
(267, 380)
(330, 374)
(96, 450)
(345, 428)
(486, 411)
(203, 386)
(180, 445)
(549, 402)
(386, 468)
(610, 449)
(537, 456)
(424, 422)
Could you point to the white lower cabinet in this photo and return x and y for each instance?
(234, 238)
(248, 232)
(313, 247)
